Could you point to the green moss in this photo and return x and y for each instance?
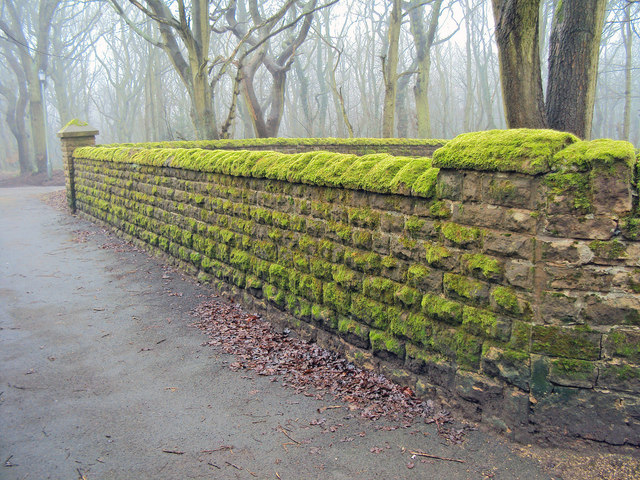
(487, 267)
(337, 298)
(516, 150)
(75, 122)
(364, 217)
(385, 342)
(379, 288)
(624, 344)
(464, 287)
(240, 260)
(414, 327)
(506, 299)
(461, 235)
(479, 322)
(611, 250)
(369, 263)
(468, 350)
(442, 309)
(625, 372)
(408, 297)
(345, 277)
(583, 156)
(373, 313)
(414, 225)
(574, 184)
(435, 253)
(347, 326)
(416, 274)
(569, 343)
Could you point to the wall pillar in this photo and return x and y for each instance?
(73, 135)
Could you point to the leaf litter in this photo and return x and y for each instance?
(313, 371)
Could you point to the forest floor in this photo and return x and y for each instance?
(107, 375)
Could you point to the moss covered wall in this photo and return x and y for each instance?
(356, 146)
(503, 275)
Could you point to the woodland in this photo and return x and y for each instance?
(151, 70)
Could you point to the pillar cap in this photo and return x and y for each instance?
(77, 128)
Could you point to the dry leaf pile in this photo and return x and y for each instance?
(310, 369)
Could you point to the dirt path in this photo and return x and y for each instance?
(103, 378)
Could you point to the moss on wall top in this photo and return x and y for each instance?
(76, 122)
(583, 156)
(381, 172)
(517, 150)
(266, 142)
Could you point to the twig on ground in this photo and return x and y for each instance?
(428, 455)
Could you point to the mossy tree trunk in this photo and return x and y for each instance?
(189, 58)
(627, 35)
(521, 79)
(423, 41)
(573, 65)
(390, 70)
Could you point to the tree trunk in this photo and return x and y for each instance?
(519, 58)
(573, 65)
(423, 42)
(627, 32)
(390, 68)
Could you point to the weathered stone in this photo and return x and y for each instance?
(565, 250)
(622, 343)
(567, 342)
(557, 308)
(476, 388)
(573, 373)
(612, 191)
(449, 184)
(509, 190)
(392, 222)
(472, 186)
(539, 383)
(509, 365)
(612, 309)
(508, 245)
(619, 376)
(519, 273)
(587, 227)
(612, 417)
(594, 278)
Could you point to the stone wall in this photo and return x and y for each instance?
(354, 146)
(504, 276)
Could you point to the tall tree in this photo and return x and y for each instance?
(390, 69)
(573, 63)
(32, 47)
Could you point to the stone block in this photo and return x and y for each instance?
(508, 245)
(509, 190)
(472, 186)
(449, 185)
(573, 373)
(588, 227)
(510, 366)
(519, 273)
(613, 417)
(567, 342)
(623, 343)
(612, 309)
(557, 308)
(619, 375)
